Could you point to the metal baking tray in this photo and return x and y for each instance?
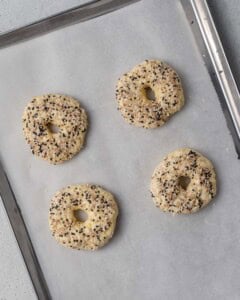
(152, 255)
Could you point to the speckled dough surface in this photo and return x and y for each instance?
(133, 102)
(62, 111)
(169, 189)
(97, 203)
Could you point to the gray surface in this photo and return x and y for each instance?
(153, 255)
(15, 13)
(14, 279)
(226, 16)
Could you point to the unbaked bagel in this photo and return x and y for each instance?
(61, 111)
(183, 182)
(97, 203)
(135, 105)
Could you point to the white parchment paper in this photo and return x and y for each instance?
(152, 255)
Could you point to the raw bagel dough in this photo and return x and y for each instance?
(97, 203)
(183, 182)
(62, 111)
(133, 102)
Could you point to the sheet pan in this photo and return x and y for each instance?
(152, 255)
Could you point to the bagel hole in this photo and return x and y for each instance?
(53, 128)
(80, 215)
(150, 94)
(184, 181)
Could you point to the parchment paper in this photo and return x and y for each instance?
(153, 255)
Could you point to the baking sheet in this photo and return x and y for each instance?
(152, 255)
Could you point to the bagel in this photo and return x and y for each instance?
(183, 182)
(134, 103)
(93, 233)
(63, 112)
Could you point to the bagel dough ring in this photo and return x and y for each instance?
(133, 102)
(183, 182)
(59, 110)
(97, 203)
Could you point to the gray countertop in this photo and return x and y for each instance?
(226, 16)
(154, 255)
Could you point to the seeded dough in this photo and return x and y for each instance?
(133, 102)
(97, 203)
(62, 111)
(168, 193)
